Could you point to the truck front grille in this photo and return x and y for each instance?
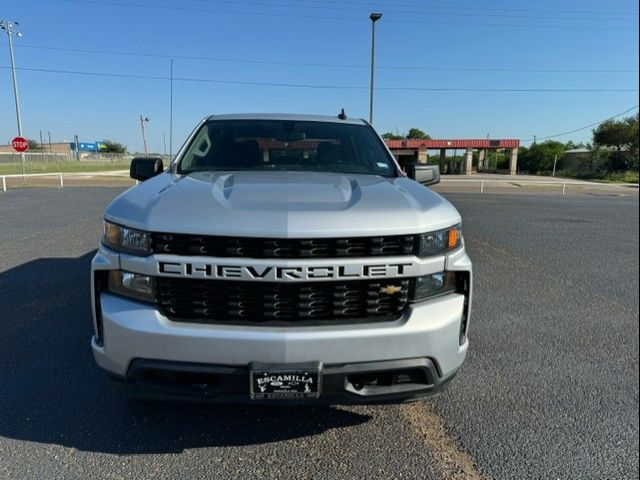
(213, 301)
(183, 244)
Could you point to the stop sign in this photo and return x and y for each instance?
(20, 144)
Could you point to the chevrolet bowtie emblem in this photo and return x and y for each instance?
(390, 289)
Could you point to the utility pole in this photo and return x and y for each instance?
(374, 17)
(171, 112)
(144, 119)
(555, 161)
(534, 139)
(9, 26)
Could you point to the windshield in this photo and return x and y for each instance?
(287, 145)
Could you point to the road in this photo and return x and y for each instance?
(549, 389)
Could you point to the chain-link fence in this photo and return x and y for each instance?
(51, 162)
(583, 162)
(599, 164)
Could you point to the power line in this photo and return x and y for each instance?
(514, 25)
(311, 64)
(547, 137)
(449, 7)
(476, 12)
(322, 86)
(325, 17)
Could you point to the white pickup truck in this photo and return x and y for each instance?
(282, 258)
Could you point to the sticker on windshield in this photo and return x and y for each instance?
(382, 165)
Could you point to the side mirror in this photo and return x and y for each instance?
(424, 174)
(143, 168)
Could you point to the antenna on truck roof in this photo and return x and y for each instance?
(342, 115)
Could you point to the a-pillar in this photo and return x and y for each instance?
(513, 163)
(481, 164)
(469, 165)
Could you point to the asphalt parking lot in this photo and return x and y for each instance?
(549, 389)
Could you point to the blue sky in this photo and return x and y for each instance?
(465, 34)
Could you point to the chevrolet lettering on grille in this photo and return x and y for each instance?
(230, 271)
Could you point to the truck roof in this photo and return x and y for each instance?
(286, 116)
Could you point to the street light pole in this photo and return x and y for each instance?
(374, 17)
(8, 26)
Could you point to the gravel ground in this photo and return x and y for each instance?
(549, 390)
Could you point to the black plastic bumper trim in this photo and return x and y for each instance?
(153, 379)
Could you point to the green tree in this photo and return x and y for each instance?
(33, 145)
(109, 146)
(413, 133)
(416, 133)
(617, 133)
(571, 145)
(623, 136)
(539, 157)
(392, 136)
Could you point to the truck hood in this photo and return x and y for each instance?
(282, 205)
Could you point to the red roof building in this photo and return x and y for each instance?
(415, 150)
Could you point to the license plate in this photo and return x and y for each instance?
(285, 384)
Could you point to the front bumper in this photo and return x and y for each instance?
(428, 332)
(372, 382)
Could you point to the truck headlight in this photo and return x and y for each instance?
(439, 242)
(432, 285)
(134, 285)
(126, 240)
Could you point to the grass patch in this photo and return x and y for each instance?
(630, 176)
(622, 177)
(15, 168)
